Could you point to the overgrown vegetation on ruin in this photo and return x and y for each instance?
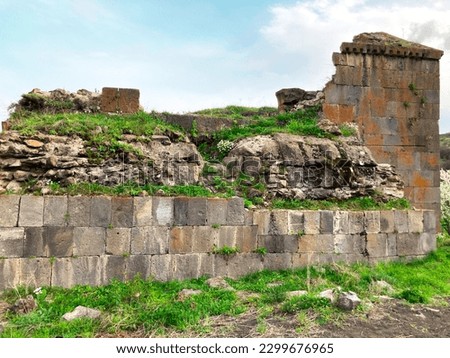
(149, 308)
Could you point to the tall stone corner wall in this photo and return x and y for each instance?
(389, 87)
(65, 241)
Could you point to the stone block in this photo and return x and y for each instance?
(58, 241)
(279, 222)
(387, 221)
(196, 214)
(316, 243)
(391, 244)
(79, 210)
(9, 273)
(427, 195)
(9, 207)
(89, 241)
(204, 238)
(31, 211)
(235, 211)
(279, 243)
(162, 267)
(316, 258)
(35, 272)
(415, 221)
(180, 211)
(244, 264)
(312, 222)
(340, 222)
(186, 266)
(356, 223)
(376, 245)
(70, 271)
(261, 218)
(326, 222)
(122, 212)
(277, 261)
(142, 211)
(55, 211)
(34, 243)
(139, 266)
(349, 243)
(401, 221)
(119, 100)
(296, 221)
(118, 241)
(114, 268)
(162, 209)
(150, 240)
(409, 244)
(206, 267)
(227, 236)
(372, 221)
(429, 221)
(216, 211)
(428, 242)
(246, 238)
(100, 211)
(181, 240)
(220, 265)
(11, 242)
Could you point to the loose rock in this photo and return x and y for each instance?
(348, 301)
(186, 293)
(81, 312)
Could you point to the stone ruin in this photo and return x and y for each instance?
(389, 89)
(386, 87)
(110, 100)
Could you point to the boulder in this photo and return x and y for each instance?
(81, 312)
(186, 293)
(348, 301)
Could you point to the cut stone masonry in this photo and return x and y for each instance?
(65, 241)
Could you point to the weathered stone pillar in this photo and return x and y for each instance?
(389, 87)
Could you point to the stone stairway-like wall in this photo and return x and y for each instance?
(70, 240)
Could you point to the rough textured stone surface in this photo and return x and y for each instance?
(389, 88)
(9, 206)
(119, 100)
(81, 312)
(348, 301)
(313, 168)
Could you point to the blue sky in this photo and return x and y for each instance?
(189, 55)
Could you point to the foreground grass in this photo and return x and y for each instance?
(150, 307)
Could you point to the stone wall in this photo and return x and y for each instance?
(389, 87)
(64, 241)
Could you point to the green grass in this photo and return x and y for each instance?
(129, 189)
(148, 306)
(238, 112)
(302, 122)
(102, 133)
(360, 203)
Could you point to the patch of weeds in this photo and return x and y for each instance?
(413, 88)
(225, 250)
(215, 226)
(360, 203)
(260, 250)
(413, 296)
(347, 131)
(304, 302)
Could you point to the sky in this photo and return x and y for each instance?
(187, 55)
